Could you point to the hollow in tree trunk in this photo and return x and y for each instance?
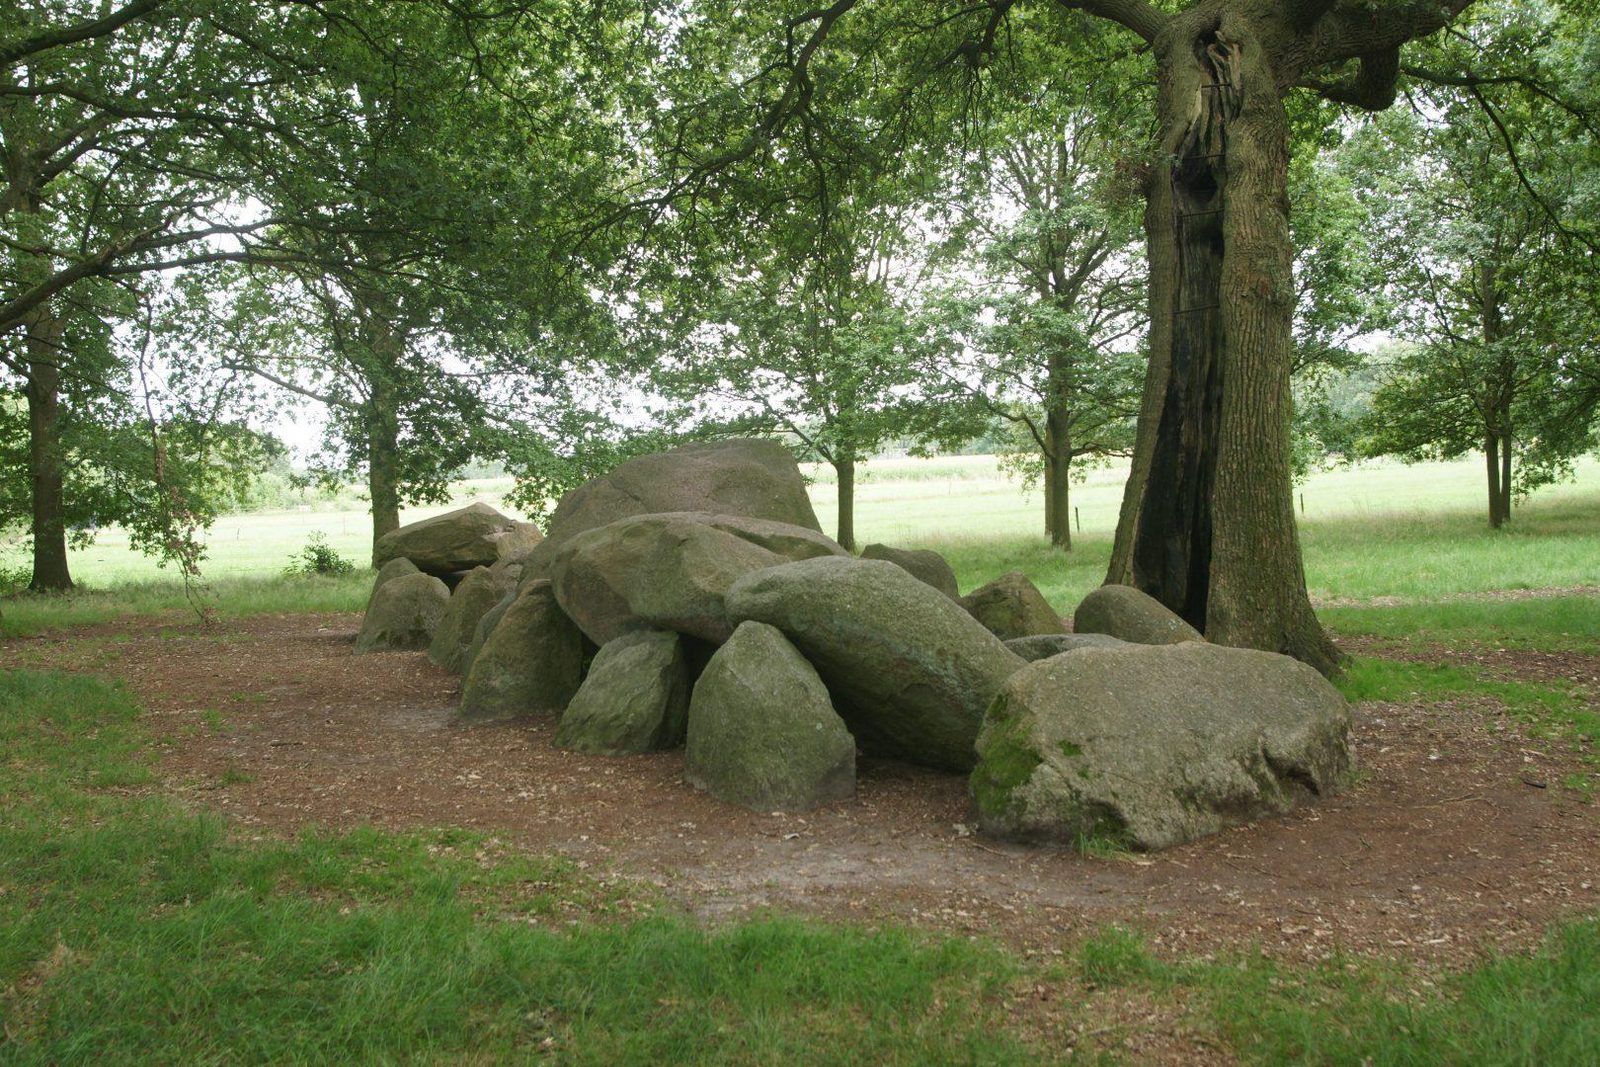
(50, 571)
(1207, 524)
(845, 468)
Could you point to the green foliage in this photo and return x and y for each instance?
(319, 559)
(1041, 302)
(1484, 274)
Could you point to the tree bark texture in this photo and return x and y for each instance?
(51, 573)
(383, 464)
(845, 534)
(1057, 478)
(1491, 457)
(1207, 523)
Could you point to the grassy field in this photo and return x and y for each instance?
(1383, 531)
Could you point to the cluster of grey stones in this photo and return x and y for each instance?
(690, 598)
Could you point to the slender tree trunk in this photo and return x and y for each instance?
(385, 345)
(1048, 456)
(1207, 524)
(50, 570)
(1491, 457)
(1505, 476)
(845, 467)
(1057, 480)
(383, 461)
(1497, 441)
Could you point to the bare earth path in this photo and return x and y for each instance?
(1441, 849)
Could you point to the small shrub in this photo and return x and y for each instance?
(14, 579)
(319, 558)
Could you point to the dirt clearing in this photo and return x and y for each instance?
(1456, 837)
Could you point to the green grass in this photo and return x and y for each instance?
(1551, 623)
(133, 930)
(1511, 1010)
(1519, 1009)
(26, 615)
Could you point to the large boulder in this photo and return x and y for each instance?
(757, 479)
(671, 571)
(1153, 745)
(753, 478)
(762, 730)
(1011, 606)
(635, 699)
(395, 568)
(923, 564)
(403, 614)
(531, 663)
(1125, 612)
(909, 670)
(1043, 646)
(474, 536)
(471, 600)
(485, 627)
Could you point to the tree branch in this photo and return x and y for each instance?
(1137, 15)
(86, 31)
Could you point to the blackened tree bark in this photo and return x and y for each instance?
(1207, 523)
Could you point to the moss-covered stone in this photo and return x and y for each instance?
(1154, 745)
(924, 564)
(670, 571)
(472, 599)
(1124, 612)
(474, 536)
(1011, 607)
(909, 670)
(395, 568)
(762, 731)
(635, 698)
(530, 664)
(404, 614)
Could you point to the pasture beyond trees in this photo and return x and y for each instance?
(1378, 530)
(391, 887)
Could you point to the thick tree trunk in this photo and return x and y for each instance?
(845, 468)
(1207, 524)
(1057, 480)
(50, 571)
